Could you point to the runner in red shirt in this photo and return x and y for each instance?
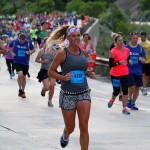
(118, 60)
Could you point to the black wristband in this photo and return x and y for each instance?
(117, 63)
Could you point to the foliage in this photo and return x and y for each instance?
(38, 6)
(104, 43)
(92, 8)
(105, 39)
(143, 15)
(27, 6)
(107, 1)
(11, 7)
(41, 6)
(144, 4)
(7, 8)
(74, 5)
(46, 5)
(114, 18)
(60, 5)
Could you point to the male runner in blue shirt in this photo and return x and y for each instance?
(21, 49)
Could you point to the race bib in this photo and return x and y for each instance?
(8, 53)
(134, 59)
(77, 76)
(21, 53)
(116, 82)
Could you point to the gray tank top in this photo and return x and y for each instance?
(77, 65)
(46, 56)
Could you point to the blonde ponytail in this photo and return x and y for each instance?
(57, 36)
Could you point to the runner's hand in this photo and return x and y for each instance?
(68, 76)
(28, 52)
(142, 60)
(13, 54)
(123, 62)
(91, 74)
(45, 61)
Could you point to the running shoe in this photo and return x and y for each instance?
(89, 90)
(11, 76)
(63, 142)
(20, 92)
(125, 111)
(120, 97)
(129, 103)
(23, 94)
(50, 104)
(28, 74)
(144, 91)
(43, 92)
(110, 103)
(134, 107)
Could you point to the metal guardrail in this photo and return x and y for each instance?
(86, 26)
(100, 61)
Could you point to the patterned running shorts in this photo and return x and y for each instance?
(69, 102)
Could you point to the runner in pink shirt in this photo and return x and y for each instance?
(119, 57)
(9, 60)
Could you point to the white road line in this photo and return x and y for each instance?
(101, 99)
(106, 100)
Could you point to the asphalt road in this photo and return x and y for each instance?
(29, 124)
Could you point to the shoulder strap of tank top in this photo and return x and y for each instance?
(82, 51)
(44, 48)
(65, 49)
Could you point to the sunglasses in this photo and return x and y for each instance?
(133, 33)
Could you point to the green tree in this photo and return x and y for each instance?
(13, 6)
(74, 5)
(8, 7)
(107, 1)
(46, 5)
(113, 17)
(92, 8)
(60, 5)
(144, 4)
(41, 6)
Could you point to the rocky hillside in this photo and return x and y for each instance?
(131, 5)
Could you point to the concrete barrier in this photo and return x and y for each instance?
(93, 30)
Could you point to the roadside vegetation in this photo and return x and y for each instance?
(111, 17)
(41, 6)
(116, 20)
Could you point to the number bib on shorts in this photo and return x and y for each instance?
(116, 82)
(77, 76)
(134, 59)
(21, 53)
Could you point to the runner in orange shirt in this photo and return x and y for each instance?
(119, 72)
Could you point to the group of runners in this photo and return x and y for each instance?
(75, 94)
(21, 35)
(129, 71)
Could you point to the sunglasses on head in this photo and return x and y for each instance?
(133, 33)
